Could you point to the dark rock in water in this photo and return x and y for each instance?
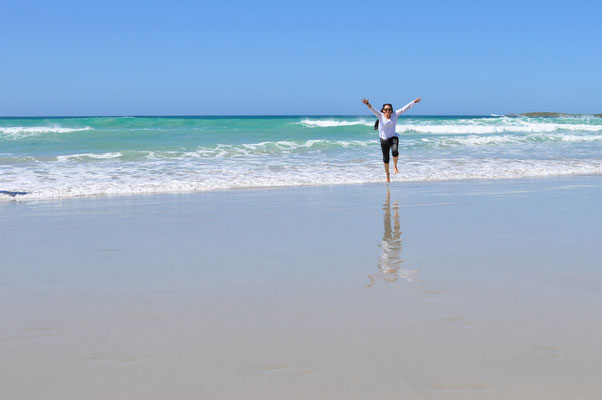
(12, 194)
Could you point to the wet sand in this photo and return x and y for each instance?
(457, 290)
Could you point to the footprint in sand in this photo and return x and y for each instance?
(113, 357)
(431, 293)
(31, 332)
(457, 387)
(460, 321)
(281, 368)
(548, 349)
(271, 367)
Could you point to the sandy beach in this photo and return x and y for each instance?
(448, 290)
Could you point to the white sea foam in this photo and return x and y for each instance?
(59, 180)
(476, 140)
(322, 145)
(354, 148)
(275, 147)
(433, 149)
(85, 156)
(467, 126)
(527, 127)
(328, 123)
(18, 132)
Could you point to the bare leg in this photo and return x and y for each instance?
(395, 164)
(387, 171)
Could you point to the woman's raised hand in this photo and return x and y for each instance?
(417, 100)
(366, 102)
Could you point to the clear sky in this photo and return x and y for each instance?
(310, 57)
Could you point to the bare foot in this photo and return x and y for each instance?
(388, 180)
(396, 170)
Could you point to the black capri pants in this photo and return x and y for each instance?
(390, 143)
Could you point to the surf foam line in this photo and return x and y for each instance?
(329, 123)
(535, 138)
(484, 129)
(17, 132)
(85, 156)
(463, 126)
(84, 179)
(275, 148)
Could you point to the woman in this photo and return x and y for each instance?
(387, 120)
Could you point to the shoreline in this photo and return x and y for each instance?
(10, 196)
(69, 158)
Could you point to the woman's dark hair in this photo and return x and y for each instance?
(381, 110)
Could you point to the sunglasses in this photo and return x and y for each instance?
(387, 109)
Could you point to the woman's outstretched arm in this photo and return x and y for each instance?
(374, 111)
(407, 106)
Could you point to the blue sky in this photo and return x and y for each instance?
(199, 58)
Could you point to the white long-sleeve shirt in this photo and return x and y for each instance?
(386, 127)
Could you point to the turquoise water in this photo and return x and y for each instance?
(66, 157)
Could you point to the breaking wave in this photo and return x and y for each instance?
(329, 123)
(88, 179)
(18, 132)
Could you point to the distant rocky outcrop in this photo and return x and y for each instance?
(549, 114)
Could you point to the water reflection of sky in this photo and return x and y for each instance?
(389, 260)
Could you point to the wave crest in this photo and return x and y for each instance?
(18, 132)
(85, 156)
(329, 123)
(502, 128)
(87, 179)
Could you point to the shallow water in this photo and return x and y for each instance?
(66, 157)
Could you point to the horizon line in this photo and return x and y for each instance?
(265, 115)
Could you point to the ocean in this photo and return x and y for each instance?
(49, 158)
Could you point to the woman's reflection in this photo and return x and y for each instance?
(389, 260)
